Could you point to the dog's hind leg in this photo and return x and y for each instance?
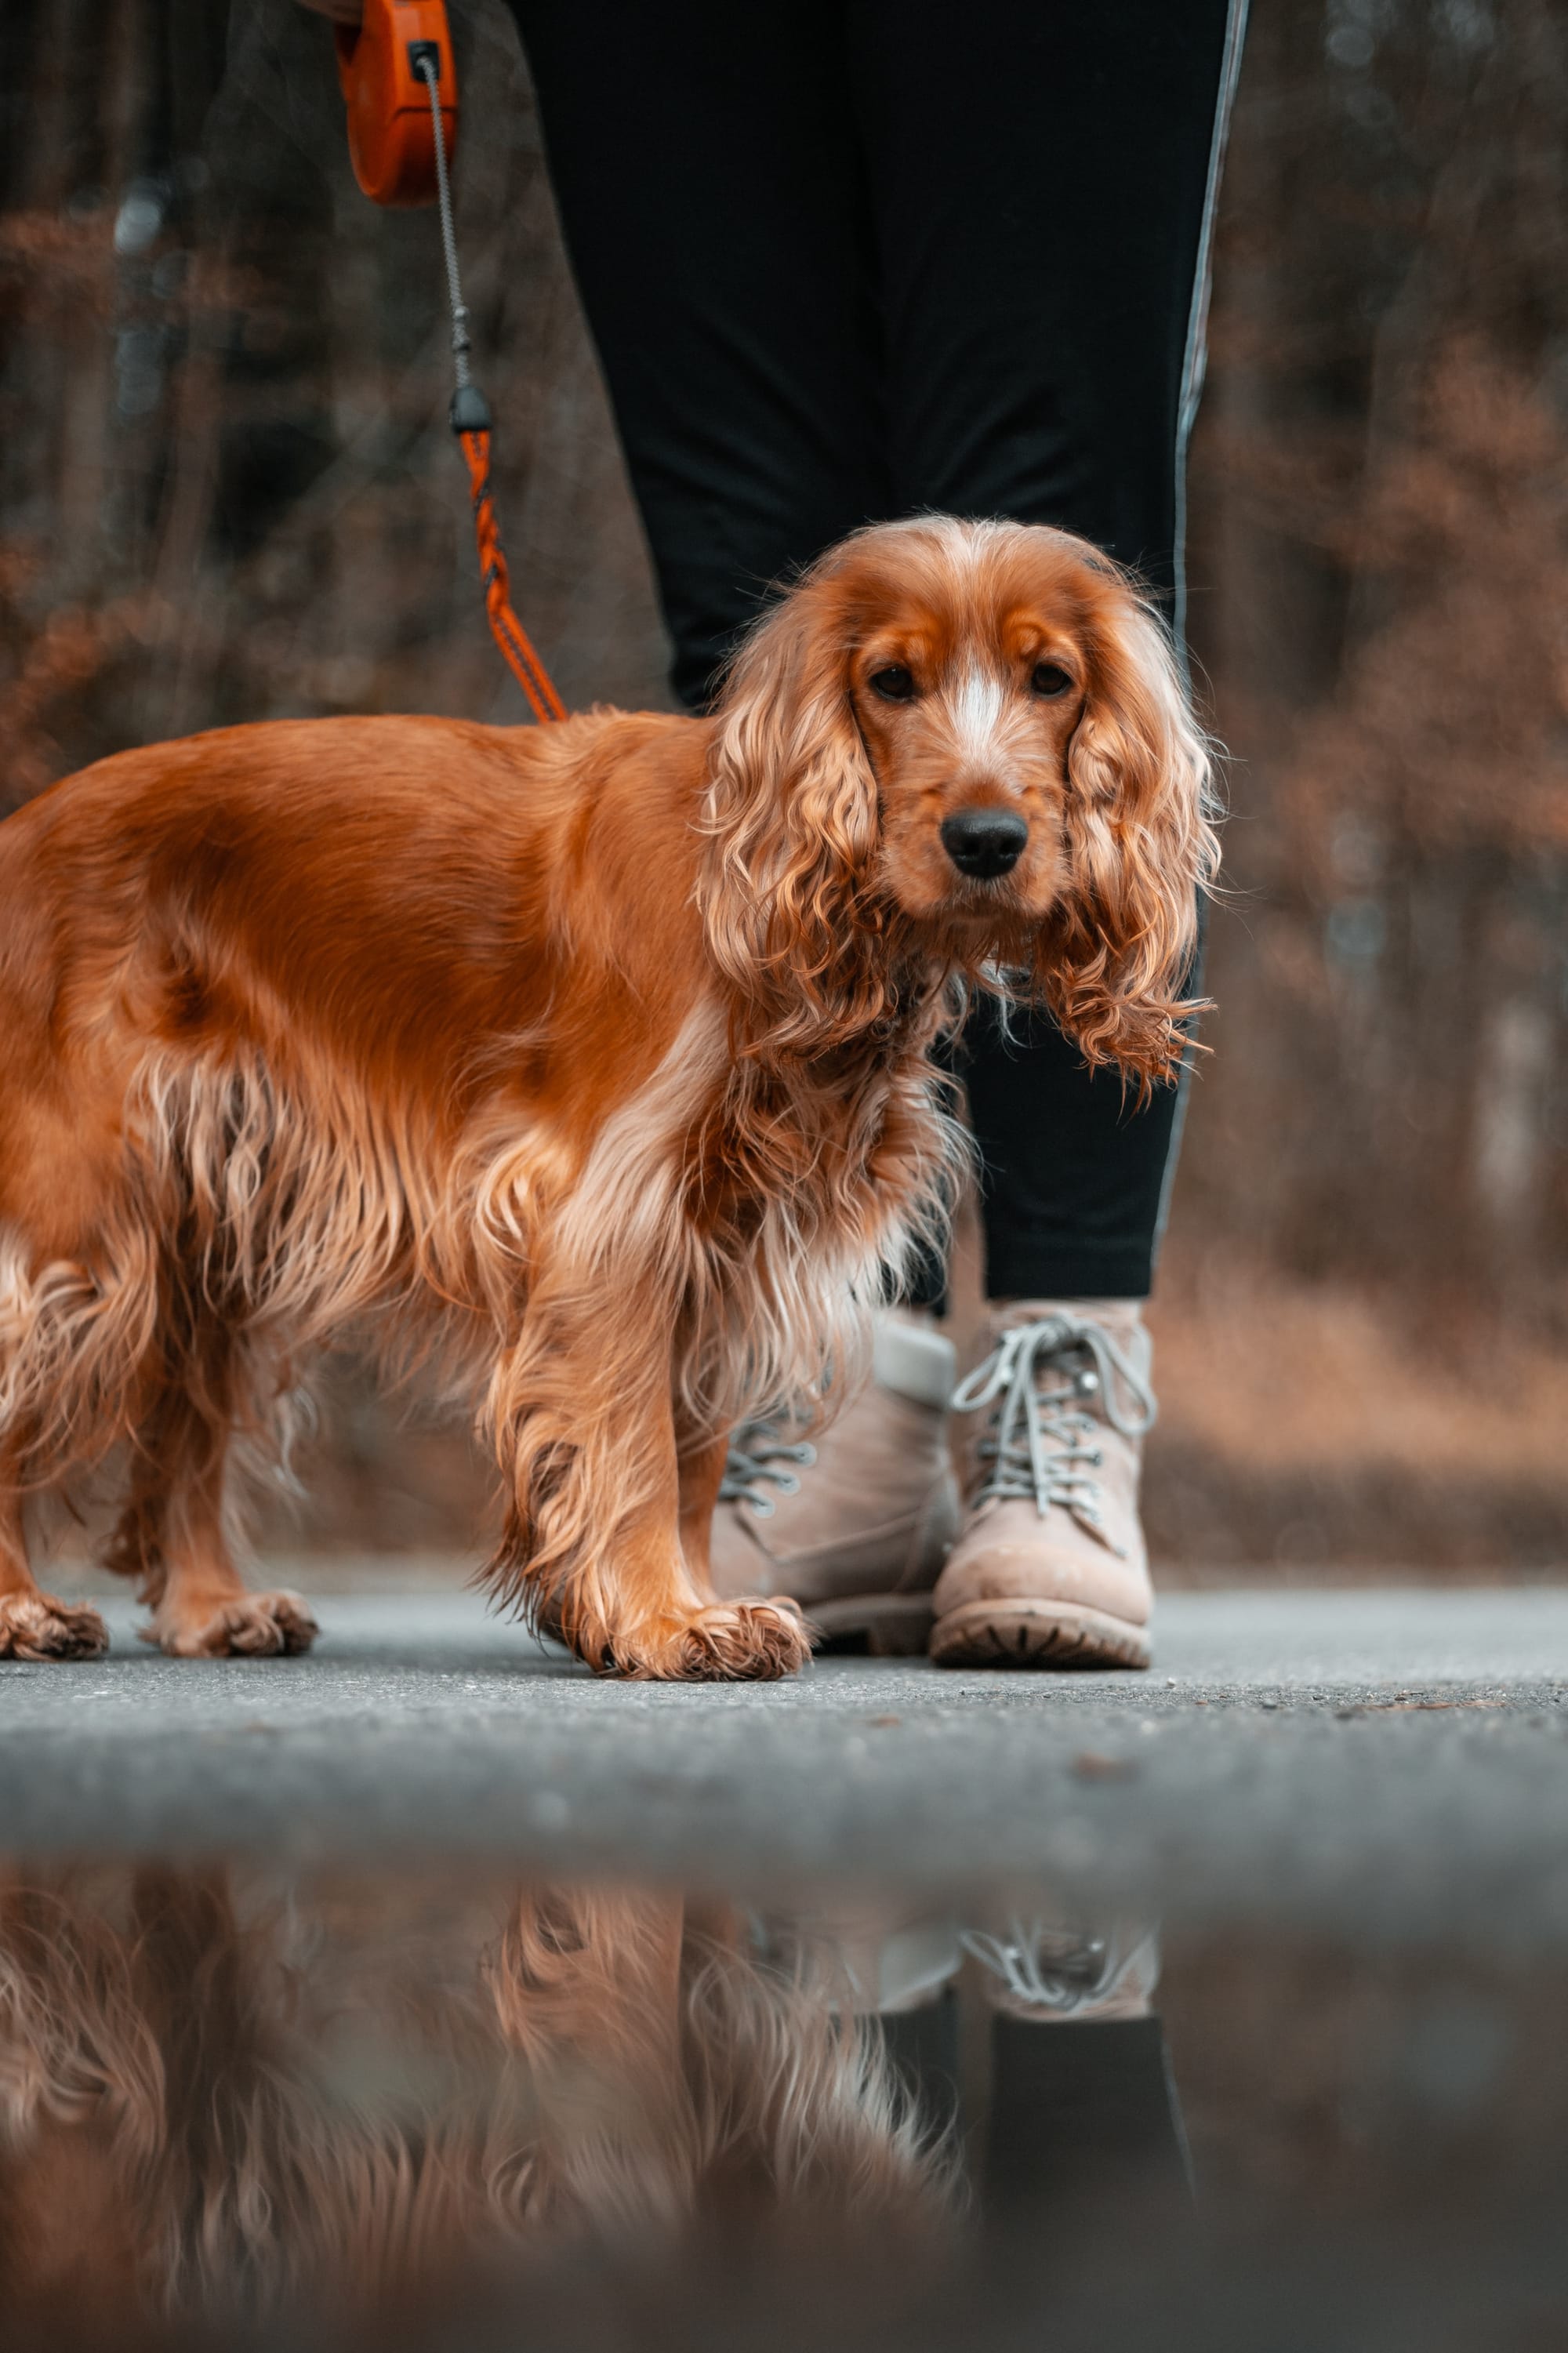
(584, 1427)
(172, 1532)
(34, 1625)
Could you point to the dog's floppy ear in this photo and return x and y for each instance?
(792, 821)
(1142, 850)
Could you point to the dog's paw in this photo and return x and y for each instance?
(36, 1626)
(737, 1642)
(248, 1626)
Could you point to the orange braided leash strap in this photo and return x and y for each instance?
(509, 634)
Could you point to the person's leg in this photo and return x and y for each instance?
(1042, 182)
(705, 163)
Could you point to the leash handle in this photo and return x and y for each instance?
(391, 144)
(471, 423)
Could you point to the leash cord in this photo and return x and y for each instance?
(428, 66)
(471, 424)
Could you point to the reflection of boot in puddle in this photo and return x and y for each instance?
(1084, 2135)
(1079, 2116)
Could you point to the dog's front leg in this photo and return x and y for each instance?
(584, 1429)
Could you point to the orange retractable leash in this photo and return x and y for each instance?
(397, 74)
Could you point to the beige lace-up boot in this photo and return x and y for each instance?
(1050, 1569)
(856, 1523)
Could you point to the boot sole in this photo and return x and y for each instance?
(1062, 1637)
(874, 1625)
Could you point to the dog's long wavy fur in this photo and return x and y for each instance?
(589, 1067)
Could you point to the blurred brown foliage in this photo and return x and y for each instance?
(227, 491)
(1380, 496)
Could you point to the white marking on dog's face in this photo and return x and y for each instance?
(976, 708)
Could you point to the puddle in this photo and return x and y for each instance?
(240, 2106)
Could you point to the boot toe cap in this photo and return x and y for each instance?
(999, 1569)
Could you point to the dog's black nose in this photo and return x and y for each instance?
(985, 842)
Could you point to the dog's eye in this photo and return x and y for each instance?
(1049, 680)
(895, 684)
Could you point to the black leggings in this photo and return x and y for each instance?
(846, 260)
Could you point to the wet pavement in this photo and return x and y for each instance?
(429, 1991)
(1395, 1763)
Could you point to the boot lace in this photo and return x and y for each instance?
(760, 1457)
(1067, 1971)
(1039, 1445)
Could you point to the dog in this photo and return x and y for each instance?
(590, 1065)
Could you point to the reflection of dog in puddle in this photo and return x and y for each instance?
(210, 2103)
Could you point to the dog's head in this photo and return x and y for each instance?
(967, 741)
